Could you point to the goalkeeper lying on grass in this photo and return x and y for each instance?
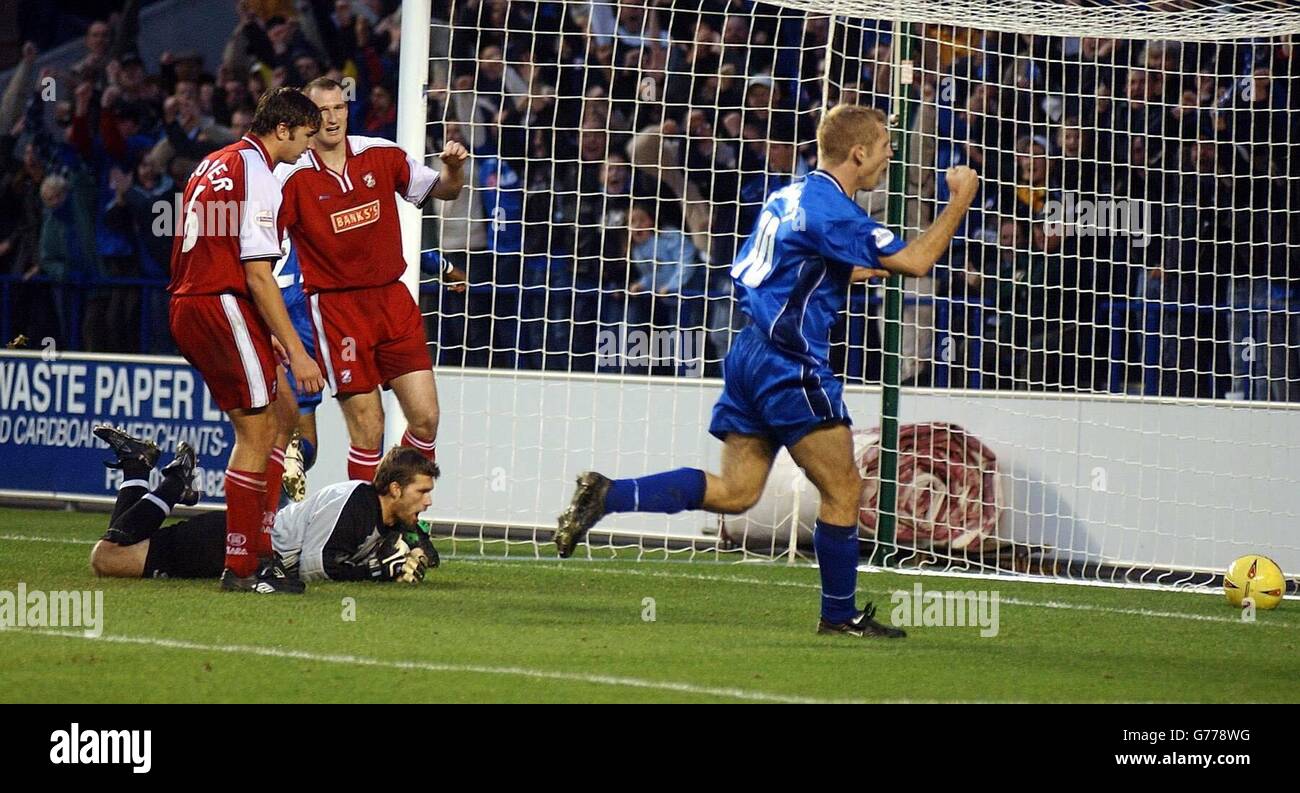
(351, 531)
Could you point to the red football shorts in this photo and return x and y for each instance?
(367, 337)
(225, 338)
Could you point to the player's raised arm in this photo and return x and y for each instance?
(453, 157)
(920, 254)
(855, 150)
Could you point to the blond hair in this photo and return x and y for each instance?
(53, 188)
(844, 127)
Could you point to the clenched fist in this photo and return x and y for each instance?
(962, 182)
(453, 153)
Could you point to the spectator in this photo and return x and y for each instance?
(381, 118)
(98, 40)
(67, 255)
(600, 254)
(19, 89)
(493, 333)
(1197, 224)
(663, 264)
(132, 82)
(1032, 190)
(1072, 164)
(987, 134)
(665, 261)
(1056, 340)
(1005, 286)
(135, 212)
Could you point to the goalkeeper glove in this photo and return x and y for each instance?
(418, 537)
(389, 558)
(413, 567)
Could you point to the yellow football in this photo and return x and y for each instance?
(1255, 577)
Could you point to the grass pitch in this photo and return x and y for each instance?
(512, 629)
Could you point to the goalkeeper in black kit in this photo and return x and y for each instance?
(351, 531)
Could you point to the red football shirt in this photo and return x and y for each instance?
(344, 225)
(230, 209)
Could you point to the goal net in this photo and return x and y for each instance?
(1100, 381)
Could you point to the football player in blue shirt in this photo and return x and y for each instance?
(810, 242)
(295, 442)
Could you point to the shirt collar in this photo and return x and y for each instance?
(832, 179)
(257, 144)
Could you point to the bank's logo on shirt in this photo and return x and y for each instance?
(364, 215)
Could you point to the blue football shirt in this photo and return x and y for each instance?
(792, 275)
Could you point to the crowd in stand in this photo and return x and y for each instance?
(1138, 227)
(92, 154)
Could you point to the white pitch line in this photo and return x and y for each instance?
(428, 666)
(1182, 615)
(61, 540)
(1045, 604)
(591, 568)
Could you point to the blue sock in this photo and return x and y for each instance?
(837, 560)
(669, 492)
(308, 453)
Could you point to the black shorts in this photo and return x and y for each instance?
(194, 548)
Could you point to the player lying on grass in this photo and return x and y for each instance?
(351, 531)
(792, 279)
